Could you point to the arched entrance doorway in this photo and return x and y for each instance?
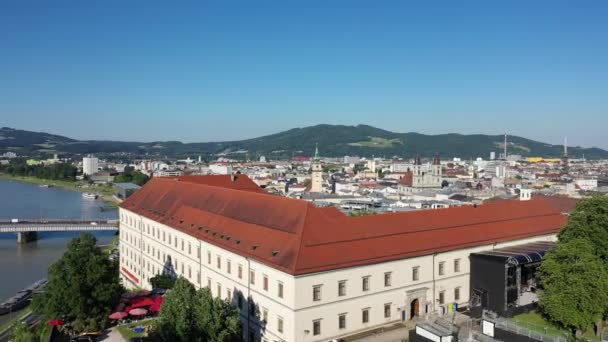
(414, 308)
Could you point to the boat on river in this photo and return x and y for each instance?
(89, 195)
(22, 298)
(45, 185)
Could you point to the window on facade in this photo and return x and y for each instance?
(265, 283)
(169, 238)
(209, 258)
(264, 314)
(198, 277)
(280, 289)
(342, 321)
(316, 327)
(316, 293)
(252, 277)
(365, 283)
(388, 278)
(219, 262)
(387, 310)
(219, 290)
(280, 324)
(189, 272)
(198, 252)
(228, 266)
(415, 273)
(240, 300)
(228, 295)
(163, 236)
(240, 272)
(442, 268)
(209, 283)
(342, 288)
(189, 248)
(457, 294)
(456, 265)
(365, 316)
(175, 240)
(442, 297)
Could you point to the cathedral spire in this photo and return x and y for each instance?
(316, 151)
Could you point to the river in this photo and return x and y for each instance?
(21, 265)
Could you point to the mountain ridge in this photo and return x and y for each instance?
(333, 141)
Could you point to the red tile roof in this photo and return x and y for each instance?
(298, 238)
(240, 182)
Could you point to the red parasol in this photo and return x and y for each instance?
(118, 315)
(141, 302)
(157, 303)
(55, 322)
(138, 312)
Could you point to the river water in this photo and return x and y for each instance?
(21, 265)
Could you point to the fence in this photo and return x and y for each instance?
(530, 330)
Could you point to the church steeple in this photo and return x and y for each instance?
(316, 157)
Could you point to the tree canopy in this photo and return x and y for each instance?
(57, 171)
(589, 221)
(163, 281)
(131, 176)
(575, 284)
(190, 315)
(83, 286)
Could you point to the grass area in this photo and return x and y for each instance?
(127, 332)
(15, 319)
(377, 142)
(536, 322)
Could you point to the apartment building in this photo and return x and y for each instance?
(302, 273)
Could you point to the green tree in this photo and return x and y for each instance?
(218, 320)
(83, 286)
(162, 281)
(188, 315)
(589, 220)
(574, 285)
(176, 319)
(22, 333)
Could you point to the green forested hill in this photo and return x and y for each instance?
(333, 140)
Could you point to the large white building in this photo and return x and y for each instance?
(90, 165)
(303, 273)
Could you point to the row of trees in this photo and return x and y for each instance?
(574, 274)
(57, 171)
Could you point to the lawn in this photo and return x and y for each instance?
(536, 322)
(127, 332)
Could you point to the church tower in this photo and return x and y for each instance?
(317, 173)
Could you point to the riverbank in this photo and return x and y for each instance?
(106, 191)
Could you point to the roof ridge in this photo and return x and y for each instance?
(302, 231)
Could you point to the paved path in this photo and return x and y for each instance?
(113, 336)
(396, 335)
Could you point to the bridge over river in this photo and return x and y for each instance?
(26, 229)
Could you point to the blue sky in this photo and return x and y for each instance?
(223, 70)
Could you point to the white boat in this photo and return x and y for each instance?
(89, 195)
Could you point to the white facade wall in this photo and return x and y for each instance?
(146, 245)
(90, 165)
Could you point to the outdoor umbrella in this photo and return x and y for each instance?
(138, 312)
(156, 306)
(118, 315)
(141, 302)
(55, 322)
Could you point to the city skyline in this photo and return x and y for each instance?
(231, 71)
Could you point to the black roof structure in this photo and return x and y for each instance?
(519, 255)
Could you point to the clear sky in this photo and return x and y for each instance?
(223, 70)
